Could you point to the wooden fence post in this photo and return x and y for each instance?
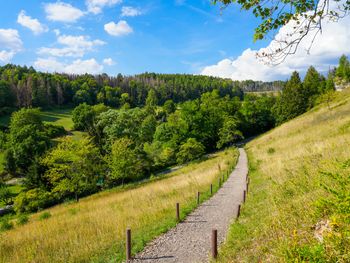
(177, 212)
(128, 244)
(214, 243)
(198, 197)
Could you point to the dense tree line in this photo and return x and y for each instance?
(133, 142)
(25, 87)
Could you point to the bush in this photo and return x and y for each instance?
(22, 220)
(190, 150)
(33, 200)
(6, 225)
(54, 131)
(5, 195)
(45, 215)
(271, 150)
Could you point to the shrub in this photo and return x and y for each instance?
(6, 225)
(32, 200)
(54, 131)
(190, 150)
(45, 215)
(5, 195)
(22, 220)
(271, 150)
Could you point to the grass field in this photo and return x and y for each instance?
(93, 229)
(288, 167)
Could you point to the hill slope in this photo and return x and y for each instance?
(290, 169)
(93, 230)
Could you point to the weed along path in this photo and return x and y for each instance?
(190, 240)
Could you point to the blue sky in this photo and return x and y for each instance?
(130, 37)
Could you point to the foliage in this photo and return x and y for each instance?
(5, 195)
(33, 200)
(7, 97)
(229, 133)
(22, 219)
(303, 17)
(45, 215)
(5, 225)
(190, 150)
(26, 140)
(53, 130)
(123, 162)
(72, 168)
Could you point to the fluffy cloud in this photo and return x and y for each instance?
(120, 29)
(130, 11)
(95, 6)
(76, 67)
(62, 12)
(33, 24)
(108, 62)
(329, 46)
(73, 46)
(10, 44)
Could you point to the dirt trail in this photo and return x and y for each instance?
(190, 240)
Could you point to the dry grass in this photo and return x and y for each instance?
(285, 170)
(93, 229)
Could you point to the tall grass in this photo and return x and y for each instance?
(93, 230)
(288, 168)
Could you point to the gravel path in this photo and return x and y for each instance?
(190, 240)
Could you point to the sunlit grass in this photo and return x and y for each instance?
(93, 229)
(285, 171)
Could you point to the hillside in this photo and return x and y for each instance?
(93, 230)
(299, 179)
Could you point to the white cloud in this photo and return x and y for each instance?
(329, 46)
(108, 62)
(120, 29)
(76, 67)
(73, 46)
(10, 44)
(95, 6)
(130, 11)
(62, 12)
(33, 24)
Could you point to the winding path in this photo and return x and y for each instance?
(190, 240)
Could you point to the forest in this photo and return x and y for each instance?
(135, 126)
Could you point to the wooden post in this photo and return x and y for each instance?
(198, 197)
(211, 189)
(219, 167)
(219, 182)
(214, 243)
(178, 212)
(128, 244)
(238, 211)
(244, 195)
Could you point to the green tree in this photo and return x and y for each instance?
(123, 162)
(27, 140)
(343, 69)
(72, 168)
(312, 86)
(229, 133)
(82, 117)
(7, 98)
(293, 101)
(190, 150)
(169, 107)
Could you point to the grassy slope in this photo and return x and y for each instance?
(93, 229)
(286, 165)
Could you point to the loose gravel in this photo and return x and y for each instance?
(190, 240)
